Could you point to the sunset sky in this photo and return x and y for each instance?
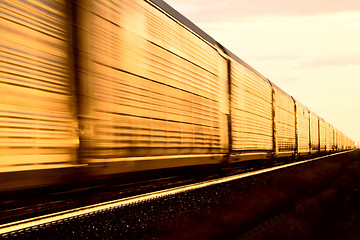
(310, 48)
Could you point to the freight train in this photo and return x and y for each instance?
(101, 87)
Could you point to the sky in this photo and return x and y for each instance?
(309, 48)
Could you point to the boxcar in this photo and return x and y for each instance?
(284, 123)
(314, 132)
(322, 135)
(154, 91)
(303, 129)
(251, 113)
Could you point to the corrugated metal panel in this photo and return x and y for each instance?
(314, 131)
(322, 137)
(350, 143)
(303, 116)
(251, 110)
(346, 142)
(341, 141)
(328, 137)
(335, 139)
(284, 121)
(37, 125)
(331, 136)
(152, 87)
(194, 63)
(182, 19)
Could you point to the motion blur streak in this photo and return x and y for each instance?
(37, 120)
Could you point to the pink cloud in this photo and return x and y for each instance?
(228, 10)
(345, 60)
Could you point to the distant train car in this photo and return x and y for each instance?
(332, 138)
(341, 141)
(303, 129)
(338, 140)
(284, 123)
(334, 146)
(322, 135)
(328, 137)
(314, 133)
(251, 101)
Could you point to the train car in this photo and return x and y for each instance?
(350, 144)
(155, 92)
(346, 143)
(314, 133)
(338, 140)
(335, 140)
(334, 146)
(332, 138)
(322, 135)
(303, 129)
(251, 112)
(341, 141)
(327, 136)
(284, 123)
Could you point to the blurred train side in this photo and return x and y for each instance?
(102, 87)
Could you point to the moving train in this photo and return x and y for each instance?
(100, 87)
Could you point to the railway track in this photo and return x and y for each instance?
(69, 216)
(31, 203)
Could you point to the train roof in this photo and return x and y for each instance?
(186, 22)
(280, 90)
(299, 103)
(242, 62)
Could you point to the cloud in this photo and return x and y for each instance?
(230, 10)
(275, 57)
(330, 61)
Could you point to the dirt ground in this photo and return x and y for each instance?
(317, 200)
